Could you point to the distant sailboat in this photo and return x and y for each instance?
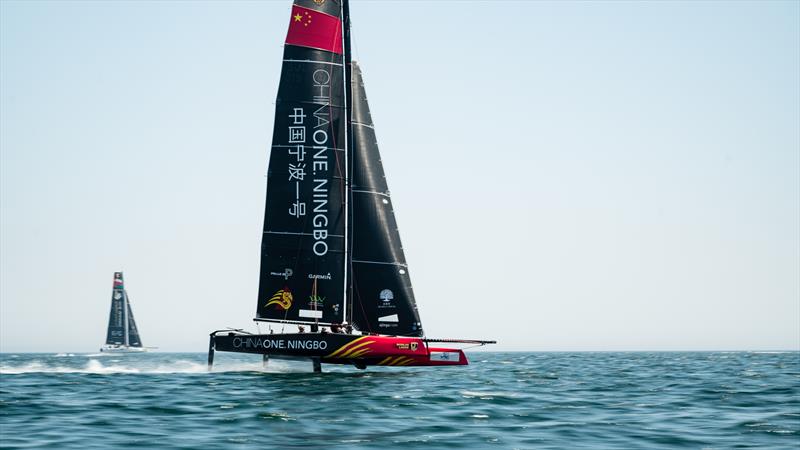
(122, 335)
(331, 253)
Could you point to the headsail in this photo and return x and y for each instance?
(133, 333)
(383, 300)
(116, 319)
(304, 237)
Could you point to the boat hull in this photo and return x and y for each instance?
(122, 349)
(335, 348)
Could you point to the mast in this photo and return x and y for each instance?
(125, 315)
(348, 160)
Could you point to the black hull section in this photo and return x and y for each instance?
(294, 344)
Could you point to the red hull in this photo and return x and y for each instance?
(395, 351)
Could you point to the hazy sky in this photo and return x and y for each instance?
(566, 175)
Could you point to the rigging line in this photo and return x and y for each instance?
(295, 145)
(473, 346)
(361, 305)
(290, 233)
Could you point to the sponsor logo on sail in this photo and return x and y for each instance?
(287, 272)
(385, 299)
(316, 301)
(320, 169)
(281, 299)
(304, 18)
(315, 276)
(117, 295)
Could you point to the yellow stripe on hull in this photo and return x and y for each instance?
(354, 349)
(345, 347)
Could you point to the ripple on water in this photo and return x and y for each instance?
(502, 400)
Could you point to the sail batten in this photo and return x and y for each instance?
(399, 264)
(312, 62)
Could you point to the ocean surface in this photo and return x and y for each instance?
(502, 400)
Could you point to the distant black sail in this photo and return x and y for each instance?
(383, 300)
(302, 250)
(116, 319)
(133, 332)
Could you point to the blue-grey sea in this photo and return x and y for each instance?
(502, 400)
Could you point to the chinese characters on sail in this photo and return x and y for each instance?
(297, 141)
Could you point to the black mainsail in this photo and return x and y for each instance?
(122, 330)
(302, 277)
(331, 250)
(116, 319)
(383, 299)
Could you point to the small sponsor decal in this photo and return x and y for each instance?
(414, 346)
(445, 356)
(386, 299)
(311, 314)
(319, 2)
(281, 299)
(316, 301)
(316, 276)
(287, 272)
(402, 346)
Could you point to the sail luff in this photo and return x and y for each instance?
(348, 130)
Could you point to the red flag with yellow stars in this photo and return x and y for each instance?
(314, 29)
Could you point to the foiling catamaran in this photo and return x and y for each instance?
(122, 335)
(331, 253)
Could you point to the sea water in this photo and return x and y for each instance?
(501, 400)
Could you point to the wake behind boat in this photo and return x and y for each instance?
(331, 252)
(122, 335)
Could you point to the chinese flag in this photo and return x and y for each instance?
(309, 28)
